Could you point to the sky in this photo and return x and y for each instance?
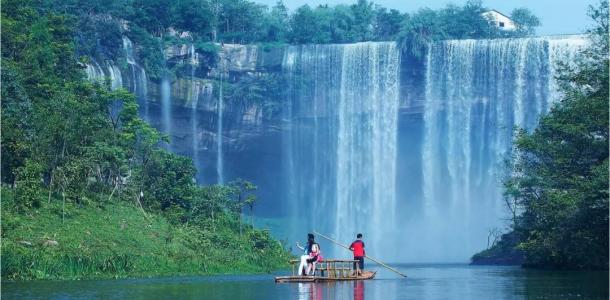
(556, 16)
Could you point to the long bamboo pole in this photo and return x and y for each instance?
(377, 261)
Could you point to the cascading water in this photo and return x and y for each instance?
(166, 102)
(219, 116)
(139, 84)
(423, 183)
(194, 93)
(116, 79)
(366, 153)
(344, 109)
(166, 106)
(314, 76)
(562, 49)
(477, 92)
(96, 73)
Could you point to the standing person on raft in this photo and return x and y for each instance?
(358, 248)
(311, 256)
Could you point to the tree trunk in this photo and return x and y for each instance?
(51, 186)
(63, 207)
(114, 189)
(141, 207)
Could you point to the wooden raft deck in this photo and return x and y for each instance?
(327, 270)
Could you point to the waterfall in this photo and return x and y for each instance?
(128, 47)
(166, 106)
(138, 78)
(96, 73)
(116, 79)
(562, 49)
(314, 75)
(344, 109)
(366, 152)
(219, 111)
(477, 92)
(422, 183)
(194, 93)
(143, 95)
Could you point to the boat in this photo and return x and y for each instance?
(327, 270)
(365, 275)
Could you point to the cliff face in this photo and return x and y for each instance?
(251, 109)
(257, 90)
(356, 131)
(195, 83)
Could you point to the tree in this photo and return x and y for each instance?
(362, 28)
(525, 21)
(277, 23)
(386, 24)
(154, 15)
(195, 16)
(304, 25)
(242, 190)
(250, 200)
(560, 172)
(451, 22)
(239, 21)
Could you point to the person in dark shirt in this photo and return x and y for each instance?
(358, 248)
(310, 257)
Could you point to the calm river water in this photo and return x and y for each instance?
(430, 281)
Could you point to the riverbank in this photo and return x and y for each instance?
(503, 253)
(116, 240)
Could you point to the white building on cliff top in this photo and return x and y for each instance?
(500, 20)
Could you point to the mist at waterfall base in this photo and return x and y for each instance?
(408, 152)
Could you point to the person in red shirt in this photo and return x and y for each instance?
(358, 248)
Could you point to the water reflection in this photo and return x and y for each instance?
(310, 291)
(358, 290)
(424, 282)
(331, 290)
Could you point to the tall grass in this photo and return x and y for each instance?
(115, 240)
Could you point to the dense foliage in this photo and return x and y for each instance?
(558, 186)
(69, 144)
(116, 240)
(156, 24)
(242, 21)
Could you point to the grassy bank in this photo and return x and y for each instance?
(504, 252)
(116, 240)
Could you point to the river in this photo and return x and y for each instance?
(425, 281)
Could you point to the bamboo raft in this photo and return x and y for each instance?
(328, 270)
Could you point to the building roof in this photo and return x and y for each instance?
(490, 10)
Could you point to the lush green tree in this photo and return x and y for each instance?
(387, 24)
(243, 196)
(304, 25)
(167, 179)
(277, 23)
(102, 22)
(466, 21)
(340, 24)
(79, 148)
(525, 20)
(196, 16)
(362, 27)
(69, 136)
(16, 120)
(560, 172)
(153, 15)
(418, 30)
(239, 21)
